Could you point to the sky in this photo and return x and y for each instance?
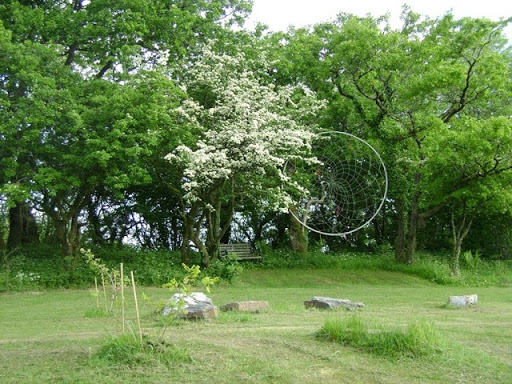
(280, 14)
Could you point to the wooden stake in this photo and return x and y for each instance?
(97, 292)
(136, 306)
(122, 294)
(114, 292)
(104, 292)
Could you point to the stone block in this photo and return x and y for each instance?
(245, 306)
(463, 300)
(331, 303)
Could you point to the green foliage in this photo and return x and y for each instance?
(90, 108)
(129, 350)
(86, 104)
(227, 268)
(190, 279)
(152, 267)
(40, 267)
(472, 260)
(113, 275)
(417, 340)
(100, 268)
(438, 115)
(430, 267)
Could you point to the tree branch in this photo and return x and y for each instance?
(109, 64)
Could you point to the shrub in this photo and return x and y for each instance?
(471, 259)
(228, 268)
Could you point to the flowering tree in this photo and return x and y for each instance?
(247, 131)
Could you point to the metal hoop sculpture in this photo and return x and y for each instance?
(348, 189)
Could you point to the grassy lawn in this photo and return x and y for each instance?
(45, 337)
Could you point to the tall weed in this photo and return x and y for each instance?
(129, 350)
(419, 339)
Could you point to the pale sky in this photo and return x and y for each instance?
(279, 14)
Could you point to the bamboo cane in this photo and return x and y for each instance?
(122, 295)
(97, 292)
(104, 291)
(136, 306)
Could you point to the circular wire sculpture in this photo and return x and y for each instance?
(348, 187)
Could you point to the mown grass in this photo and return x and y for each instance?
(47, 338)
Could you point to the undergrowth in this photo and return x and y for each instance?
(43, 267)
(427, 266)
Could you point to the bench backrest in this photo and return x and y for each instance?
(242, 250)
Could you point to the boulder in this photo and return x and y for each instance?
(245, 306)
(331, 303)
(195, 305)
(462, 301)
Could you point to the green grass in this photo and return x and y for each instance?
(128, 349)
(46, 338)
(418, 339)
(35, 268)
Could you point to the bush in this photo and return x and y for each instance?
(152, 268)
(41, 267)
(228, 268)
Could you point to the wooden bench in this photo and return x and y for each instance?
(244, 251)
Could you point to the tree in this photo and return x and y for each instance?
(84, 104)
(113, 37)
(27, 70)
(247, 131)
(398, 87)
(106, 150)
(470, 172)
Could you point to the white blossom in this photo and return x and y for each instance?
(249, 132)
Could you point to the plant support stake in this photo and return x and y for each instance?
(122, 295)
(136, 306)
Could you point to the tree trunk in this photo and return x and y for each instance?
(68, 235)
(185, 249)
(298, 235)
(188, 231)
(3, 243)
(400, 254)
(22, 226)
(203, 250)
(185, 245)
(412, 232)
(455, 260)
(413, 228)
(66, 221)
(459, 233)
(95, 223)
(213, 232)
(219, 223)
